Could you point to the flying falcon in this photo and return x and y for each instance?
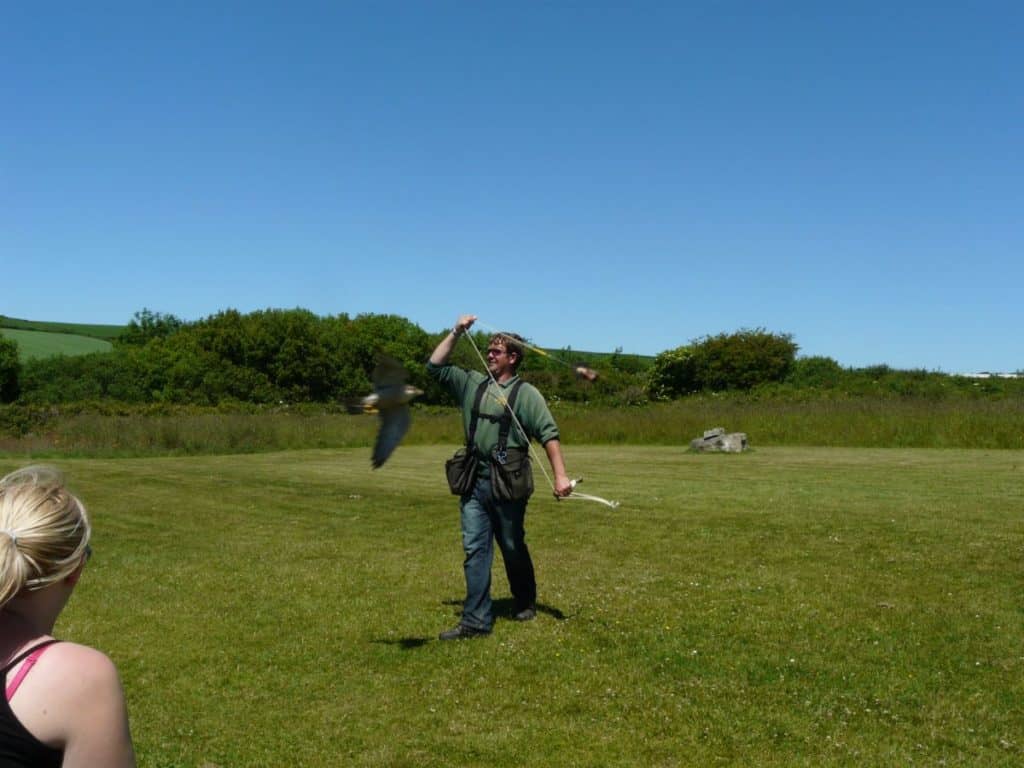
(390, 399)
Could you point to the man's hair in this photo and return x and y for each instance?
(512, 342)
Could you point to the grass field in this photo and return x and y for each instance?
(783, 607)
(108, 332)
(120, 431)
(36, 344)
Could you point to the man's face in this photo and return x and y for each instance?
(499, 362)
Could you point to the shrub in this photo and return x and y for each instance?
(742, 360)
(728, 361)
(10, 370)
(816, 371)
(673, 374)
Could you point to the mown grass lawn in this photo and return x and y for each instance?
(784, 607)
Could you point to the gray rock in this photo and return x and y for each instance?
(717, 440)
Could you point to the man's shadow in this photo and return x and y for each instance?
(504, 609)
(405, 643)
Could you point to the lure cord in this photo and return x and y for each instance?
(501, 399)
(527, 344)
(574, 494)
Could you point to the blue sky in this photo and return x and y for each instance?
(594, 175)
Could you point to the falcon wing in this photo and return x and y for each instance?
(394, 423)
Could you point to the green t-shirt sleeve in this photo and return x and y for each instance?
(531, 409)
(535, 415)
(451, 377)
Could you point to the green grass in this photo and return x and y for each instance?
(108, 332)
(112, 430)
(37, 344)
(783, 607)
(871, 422)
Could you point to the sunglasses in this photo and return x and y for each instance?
(496, 352)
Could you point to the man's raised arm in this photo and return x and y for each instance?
(444, 350)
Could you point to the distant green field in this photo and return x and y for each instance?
(108, 332)
(36, 344)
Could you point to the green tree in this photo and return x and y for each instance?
(673, 374)
(815, 371)
(393, 335)
(146, 325)
(632, 364)
(742, 360)
(10, 370)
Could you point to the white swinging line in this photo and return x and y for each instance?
(581, 371)
(577, 495)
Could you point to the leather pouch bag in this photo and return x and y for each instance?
(511, 474)
(460, 470)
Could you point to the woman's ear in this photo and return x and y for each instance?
(72, 578)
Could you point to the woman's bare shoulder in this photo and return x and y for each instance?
(82, 656)
(72, 690)
(76, 671)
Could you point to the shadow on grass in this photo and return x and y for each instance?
(406, 643)
(505, 608)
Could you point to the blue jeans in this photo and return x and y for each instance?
(484, 520)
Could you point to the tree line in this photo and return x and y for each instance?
(294, 356)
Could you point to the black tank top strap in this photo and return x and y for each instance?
(25, 654)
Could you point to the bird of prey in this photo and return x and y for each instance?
(390, 399)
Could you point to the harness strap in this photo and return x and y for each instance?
(504, 420)
(475, 413)
(506, 416)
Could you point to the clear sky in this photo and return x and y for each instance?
(594, 175)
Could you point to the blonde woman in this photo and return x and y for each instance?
(63, 703)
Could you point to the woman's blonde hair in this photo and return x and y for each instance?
(44, 530)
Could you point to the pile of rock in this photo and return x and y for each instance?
(718, 440)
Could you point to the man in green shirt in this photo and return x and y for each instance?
(486, 518)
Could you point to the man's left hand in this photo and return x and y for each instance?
(563, 486)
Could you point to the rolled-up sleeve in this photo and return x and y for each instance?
(537, 418)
